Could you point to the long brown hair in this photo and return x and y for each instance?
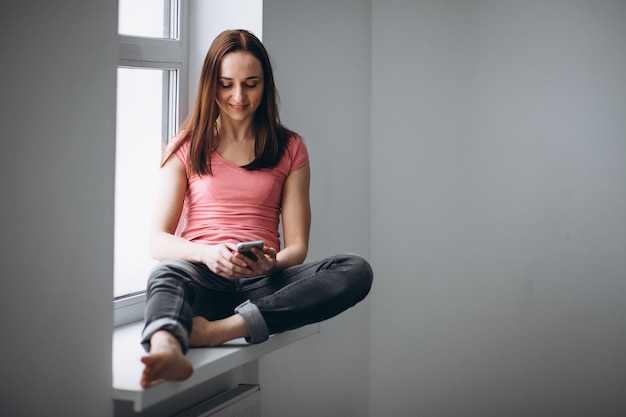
(200, 126)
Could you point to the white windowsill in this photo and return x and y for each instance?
(208, 363)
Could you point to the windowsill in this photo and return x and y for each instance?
(208, 363)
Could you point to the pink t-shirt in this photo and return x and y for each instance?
(233, 204)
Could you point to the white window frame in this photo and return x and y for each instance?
(164, 54)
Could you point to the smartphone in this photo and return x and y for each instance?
(245, 248)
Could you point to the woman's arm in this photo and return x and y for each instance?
(166, 213)
(296, 218)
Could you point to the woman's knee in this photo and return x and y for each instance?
(360, 273)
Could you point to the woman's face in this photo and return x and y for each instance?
(239, 86)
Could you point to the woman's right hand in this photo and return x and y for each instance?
(219, 259)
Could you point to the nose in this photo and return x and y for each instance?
(239, 94)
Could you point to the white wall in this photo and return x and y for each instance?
(207, 19)
(57, 126)
(320, 51)
(498, 205)
(498, 208)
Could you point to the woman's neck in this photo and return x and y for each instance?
(235, 131)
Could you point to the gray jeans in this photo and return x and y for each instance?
(288, 299)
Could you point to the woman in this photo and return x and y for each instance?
(229, 176)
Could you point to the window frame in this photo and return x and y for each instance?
(164, 54)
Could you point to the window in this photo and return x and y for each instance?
(153, 68)
(148, 18)
(151, 71)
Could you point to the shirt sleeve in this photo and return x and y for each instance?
(298, 152)
(183, 152)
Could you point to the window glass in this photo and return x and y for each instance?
(145, 18)
(153, 74)
(142, 96)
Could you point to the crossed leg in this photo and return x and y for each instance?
(166, 361)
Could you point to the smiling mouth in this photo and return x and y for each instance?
(241, 107)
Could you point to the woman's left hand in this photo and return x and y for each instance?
(264, 265)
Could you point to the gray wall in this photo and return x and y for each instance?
(497, 223)
(324, 82)
(498, 208)
(57, 125)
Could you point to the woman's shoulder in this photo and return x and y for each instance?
(180, 136)
(295, 141)
(179, 145)
(298, 153)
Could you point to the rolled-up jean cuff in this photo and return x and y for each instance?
(257, 328)
(171, 326)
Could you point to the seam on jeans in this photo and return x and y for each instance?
(172, 319)
(286, 274)
(289, 287)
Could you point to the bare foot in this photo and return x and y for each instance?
(165, 362)
(214, 333)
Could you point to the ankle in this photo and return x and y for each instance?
(214, 333)
(164, 340)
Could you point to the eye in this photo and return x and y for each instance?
(225, 86)
(251, 85)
